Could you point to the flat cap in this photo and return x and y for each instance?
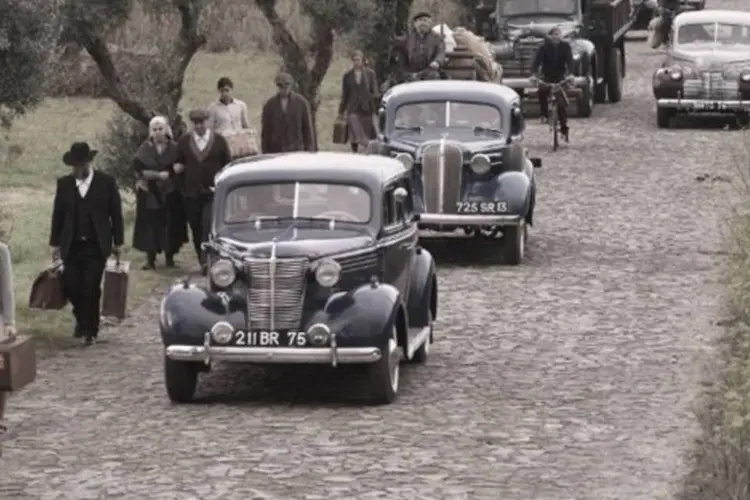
(284, 78)
(198, 115)
(421, 15)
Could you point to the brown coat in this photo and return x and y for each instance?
(201, 166)
(421, 50)
(359, 97)
(290, 130)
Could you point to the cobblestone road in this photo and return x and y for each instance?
(568, 377)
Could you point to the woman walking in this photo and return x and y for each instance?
(160, 224)
(359, 92)
(7, 315)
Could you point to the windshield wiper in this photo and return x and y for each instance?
(490, 130)
(410, 129)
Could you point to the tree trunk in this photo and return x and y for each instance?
(393, 18)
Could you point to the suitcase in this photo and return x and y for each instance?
(47, 289)
(115, 290)
(339, 131)
(242, 144)
(17, 363)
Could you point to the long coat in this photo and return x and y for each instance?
(358, 104)
(421, 50)
(287, 130)
(160, 223)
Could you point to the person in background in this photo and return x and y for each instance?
(424, 49)
(228, 114)
(7, 316)
(201, 154)
(555, 60)
(286, 123)
(87, 227)
(160, 224)
(359, 91)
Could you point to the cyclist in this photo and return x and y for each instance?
(555, 60)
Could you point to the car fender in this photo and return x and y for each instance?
(363, 317)
(514, 188)
(187, 312)
(422, 289)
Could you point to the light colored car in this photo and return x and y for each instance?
(707, 67)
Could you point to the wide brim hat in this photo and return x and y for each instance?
(421, 15)
(79, 153)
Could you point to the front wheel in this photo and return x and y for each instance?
(181, 379)
(664, 117)
(514, 243)
(384, 374)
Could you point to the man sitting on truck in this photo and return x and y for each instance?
(555, 60)
(424, 49)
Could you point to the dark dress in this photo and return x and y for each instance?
(160, 224)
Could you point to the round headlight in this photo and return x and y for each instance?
(318, 335)
(745, 77)
(675, 74)
(223, 273)
(327, 273)
(406, 160)
(480, 164)
(222, 332)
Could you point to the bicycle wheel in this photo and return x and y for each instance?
(555, 128)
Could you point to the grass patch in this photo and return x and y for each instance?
(27, 182)
(720, 459)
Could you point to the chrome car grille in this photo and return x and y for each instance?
(519, 64)
(442, 170)
(710, 85)
(275, 293)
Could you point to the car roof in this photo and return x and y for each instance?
(450, 89)
(371, 170)
(713, 16)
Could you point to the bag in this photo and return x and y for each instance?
(242, 144)
(47, 289)
(339, 131)
(115, 290)
(17, 363)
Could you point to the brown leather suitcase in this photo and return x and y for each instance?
(339, 131)
(17, 363)
(243, 144)
(115, 290)
(47, 289)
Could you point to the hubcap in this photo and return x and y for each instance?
(393, 359)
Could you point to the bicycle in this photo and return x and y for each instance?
(555, 90)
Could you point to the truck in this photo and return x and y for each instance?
(595, 30)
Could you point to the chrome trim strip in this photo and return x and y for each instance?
(272, 286)
(470, 220)
(290, 355)
(441, 173)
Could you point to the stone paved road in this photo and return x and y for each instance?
(568, 377)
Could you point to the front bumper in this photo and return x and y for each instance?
(275, 355)
(704, 105)
(462, 220)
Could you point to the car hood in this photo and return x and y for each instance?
(711, 57)
(311, 243)
(468, 138)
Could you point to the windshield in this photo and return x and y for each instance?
(532, 7)
(338, 202)
(448, 114)
(724, 34)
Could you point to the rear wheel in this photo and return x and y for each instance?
(664, 117)
(181, 380)
(554, 125)
(384, 374)
(614, 76)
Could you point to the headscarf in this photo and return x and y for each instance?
(155, 122)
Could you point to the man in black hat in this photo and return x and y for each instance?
(423, 48)
(201, 154)
(86, 228)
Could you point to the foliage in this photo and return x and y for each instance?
(28, 31)
(119, 142)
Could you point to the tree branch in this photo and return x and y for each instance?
(322, 46)
(290, 50)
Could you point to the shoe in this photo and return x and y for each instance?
(89, 340)
(565, 135)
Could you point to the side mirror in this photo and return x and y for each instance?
(400, 195)
(537, 162)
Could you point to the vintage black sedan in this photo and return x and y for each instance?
(706, 70)
(462, 145)
(311, 259)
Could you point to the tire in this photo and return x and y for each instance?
(614, 76)
(664, 117)
(421, 354)
(181, 380)
(384, 374)
(586, 100)
(514, 244)
(555, 130)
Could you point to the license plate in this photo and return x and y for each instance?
(269, 339)
(710, 105)
(481, 207)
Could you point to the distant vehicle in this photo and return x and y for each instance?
(462, 145)
(645, 10)
(706, 69)
(312, 258)
(595, 29)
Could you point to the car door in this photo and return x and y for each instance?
(397, 242)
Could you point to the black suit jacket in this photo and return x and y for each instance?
(107, 213)
(555, 62)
